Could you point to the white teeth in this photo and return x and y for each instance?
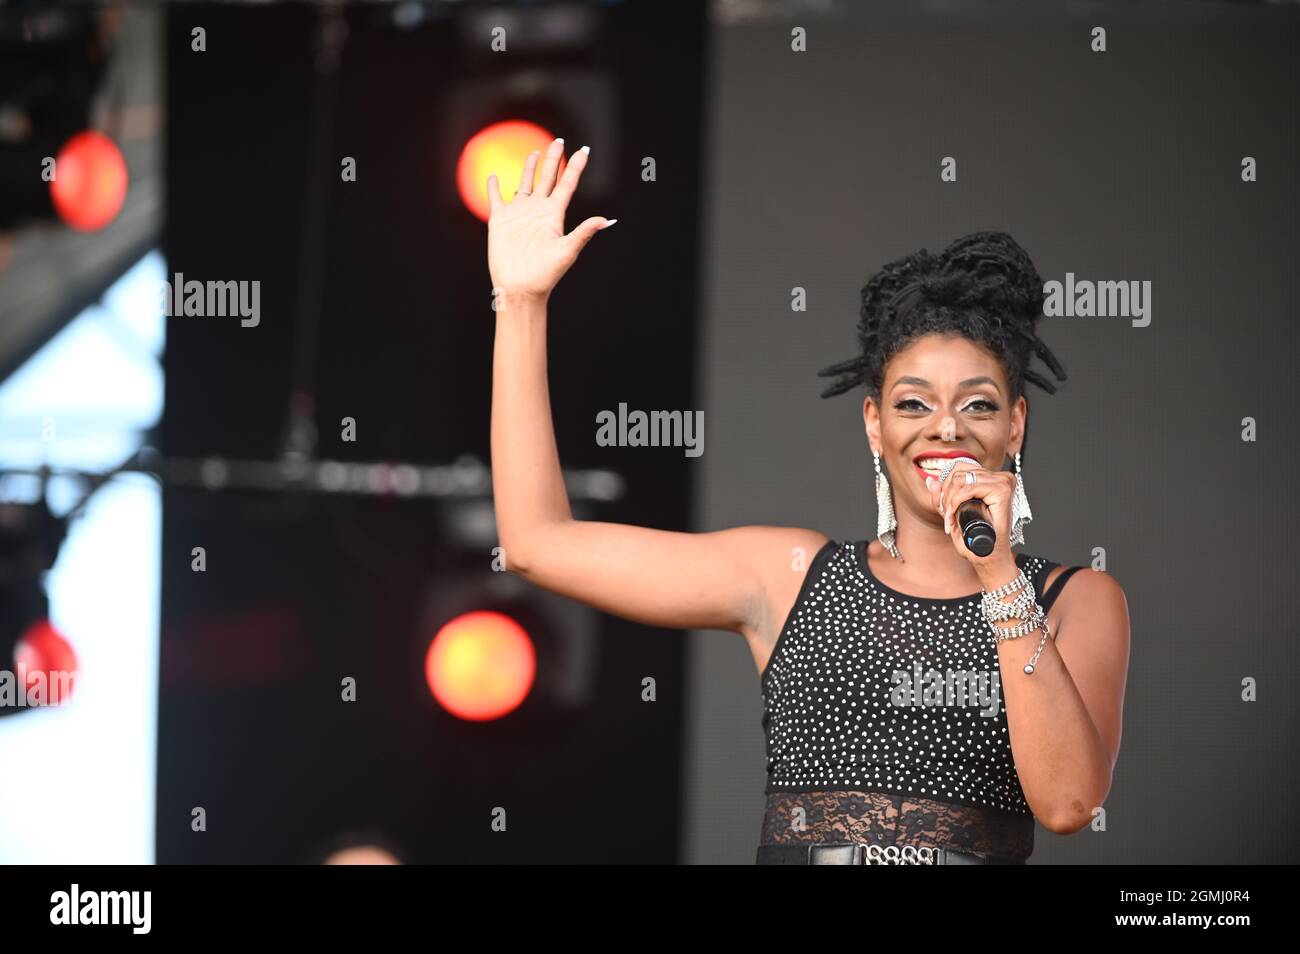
(932, 465)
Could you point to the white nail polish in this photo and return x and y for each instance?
(560, 140)
(586, 149)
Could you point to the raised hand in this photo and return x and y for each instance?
(528, 252)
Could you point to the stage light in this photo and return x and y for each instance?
(481, 665)
(362, 855)
(30, 537)
(41, 650)
(89, 182)
(500, 148)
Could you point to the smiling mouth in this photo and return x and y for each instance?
(933, 466)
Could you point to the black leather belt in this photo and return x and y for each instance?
(845, 853)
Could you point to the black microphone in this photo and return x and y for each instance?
(977, 533)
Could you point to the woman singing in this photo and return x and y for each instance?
(922, 704)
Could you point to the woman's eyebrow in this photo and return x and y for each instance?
(971, 382)
(922, 382)
(908, 379)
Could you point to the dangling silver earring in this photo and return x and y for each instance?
(1020, 512)
(885, 522)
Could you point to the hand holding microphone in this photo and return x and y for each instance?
(976, 531)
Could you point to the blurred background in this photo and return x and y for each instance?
(245, 346)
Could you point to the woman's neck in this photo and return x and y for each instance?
(929, 558)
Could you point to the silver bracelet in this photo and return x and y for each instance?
(1028, 625)
(1024, 607)
(1033, 660)
(1039, 618)
(993, 607)
(1020, 581)
(1019, 608)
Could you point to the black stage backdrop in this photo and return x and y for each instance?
(301, 592)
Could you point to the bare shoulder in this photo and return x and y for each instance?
(1091, 587)
(1093, 603)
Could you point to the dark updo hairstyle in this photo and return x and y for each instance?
(983, 286)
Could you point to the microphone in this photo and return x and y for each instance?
(976, 532)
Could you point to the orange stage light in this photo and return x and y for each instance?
(481, 665)
(42, 649)
(500, 148)
(89, 182)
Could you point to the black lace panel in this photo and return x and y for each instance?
(876, 818)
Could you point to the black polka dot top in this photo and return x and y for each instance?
(868, 689)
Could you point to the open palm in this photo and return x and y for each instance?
(528, 252)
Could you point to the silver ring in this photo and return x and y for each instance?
(970, 477)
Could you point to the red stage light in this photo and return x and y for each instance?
(89, 183)
(500, 148)
(42, 649)
(481, 665)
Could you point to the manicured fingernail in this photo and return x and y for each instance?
(586, 149)
(607, 224)
(560, 140)
(930, 483)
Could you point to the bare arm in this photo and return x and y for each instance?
(662, 578)
(1065, 720)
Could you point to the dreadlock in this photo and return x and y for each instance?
(983, 286)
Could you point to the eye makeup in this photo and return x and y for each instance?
(917, 405)
(907, 405)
